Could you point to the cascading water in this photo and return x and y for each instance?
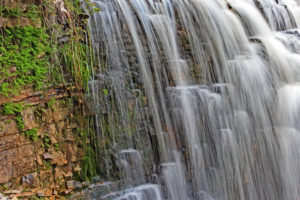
(198, 99)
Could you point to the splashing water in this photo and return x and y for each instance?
(199, 99)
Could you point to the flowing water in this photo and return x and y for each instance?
(198, 99)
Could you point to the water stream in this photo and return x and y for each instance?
(198, 99)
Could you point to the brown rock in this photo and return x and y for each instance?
(39, 160)
(61, 126)
(20, 22)
(16, 162)
(31, 180)
(29, 119)
(25, 194)
(13, 141)
(21, 4)
(45, 193)
(61, 114)
(69, 135)
(51, 129)
(53, 139)
(48, 116)
(71, 152)
(8, 127)
(46, 178)
(58, 174)
(67, 171)
(12, 192)
(59, 159)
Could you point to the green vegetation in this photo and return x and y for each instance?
(46, 142)
(77, 61)
(31, 12)
(12, 108)
(23, 58)
(92, 6)
(88, 163)
(35, 57)
(32, 134)
(51, 103)
(20, 122)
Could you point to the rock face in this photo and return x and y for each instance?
(16, 161)
(48, 161)
(41, 145)
(20, 22)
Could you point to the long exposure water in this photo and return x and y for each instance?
(201, 97)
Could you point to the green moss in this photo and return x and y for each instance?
(56, 146)
(32, 134)
(47, 164)
(51, 103)
(10, 12)
(89, 162)
(23, 59)
(88, 168)
(46, 142)
(12, 108)
(32, 12)
(20, 123)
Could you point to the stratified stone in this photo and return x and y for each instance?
(20, 22)
(8, 127)
(16, 162)
(29, 119)
(13, 141)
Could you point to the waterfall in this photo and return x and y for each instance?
(197, 99)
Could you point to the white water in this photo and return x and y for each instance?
(221, 78)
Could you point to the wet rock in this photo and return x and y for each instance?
(96, 179)
(74, 185)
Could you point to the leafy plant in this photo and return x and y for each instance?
(32, 134)
(23, 59)
(51, 103)
(31, 12)
(20, 123)
(12, 108)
